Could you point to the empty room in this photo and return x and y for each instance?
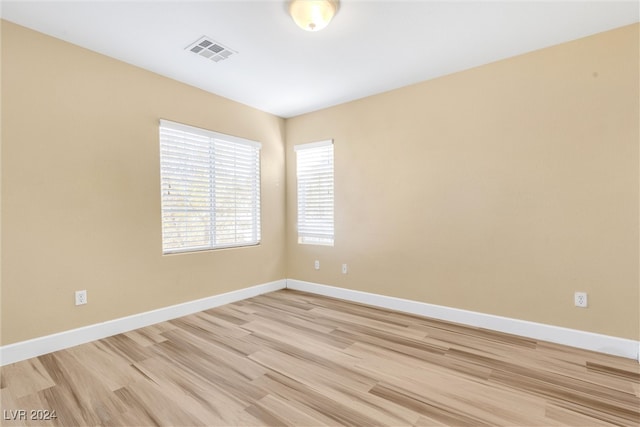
(320, 213)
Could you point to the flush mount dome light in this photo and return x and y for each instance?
(313, 15)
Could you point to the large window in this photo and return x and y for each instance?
(315, 192)
(210, 189)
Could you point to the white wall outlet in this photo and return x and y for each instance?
(316, 265)
(580, 299)
(344, 269)
(81, 297)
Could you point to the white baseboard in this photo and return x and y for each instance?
(571, 337)
(587, 340)
(38, 346)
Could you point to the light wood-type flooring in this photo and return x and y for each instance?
(291, 358)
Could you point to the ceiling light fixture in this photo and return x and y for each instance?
(313, 15)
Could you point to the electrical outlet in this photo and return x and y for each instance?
(580, 299)
(316, 265)
(344, 269)
(81, 297)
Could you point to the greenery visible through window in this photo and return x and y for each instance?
(210, 186)
(315, 192)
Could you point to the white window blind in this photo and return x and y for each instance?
(315, 192)
(210, 189)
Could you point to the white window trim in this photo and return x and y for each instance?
(304, 221)
(255, 212)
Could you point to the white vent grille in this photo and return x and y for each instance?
(210, 49)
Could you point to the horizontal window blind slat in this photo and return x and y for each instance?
(195, 132)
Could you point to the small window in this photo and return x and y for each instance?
(210, 189)
(315, 192)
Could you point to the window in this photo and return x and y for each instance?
(210, 189)
(315, 192)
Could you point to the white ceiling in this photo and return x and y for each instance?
(369, 47)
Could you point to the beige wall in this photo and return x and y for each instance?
(81, 189)
(502, 189)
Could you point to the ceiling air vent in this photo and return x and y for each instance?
(210, 49)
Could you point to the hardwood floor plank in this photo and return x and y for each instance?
(323, 373)
(564, 416)
(287, 337)
(197, 396)
(422, 405)
(25, 378)
(612, 370)
(296, 359)
(115, 372)
(618, 407)
(90, 394)
(10, 406)
(144, 400)
(287, 413)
